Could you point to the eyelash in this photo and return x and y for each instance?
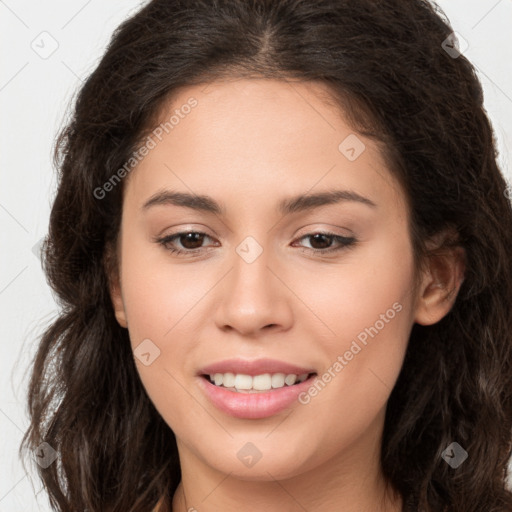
(346, 242)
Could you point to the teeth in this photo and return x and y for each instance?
(290, 379)
(227, 379)
(278, 380)
(248, 384)
(262, 382)
(243, 381)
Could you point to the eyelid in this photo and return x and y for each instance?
(187, 228)
(326, 228)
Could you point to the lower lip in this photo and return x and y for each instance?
(254, 405)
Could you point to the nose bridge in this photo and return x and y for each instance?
(251, 277)
(252, 297)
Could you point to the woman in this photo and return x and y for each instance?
(282, 245)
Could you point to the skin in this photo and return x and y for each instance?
(248, 144)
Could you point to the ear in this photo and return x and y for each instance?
(112, 270)
(441, 281)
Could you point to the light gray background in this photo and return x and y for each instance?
(35, 92)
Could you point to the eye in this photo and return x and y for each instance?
(192, 242)
(325, 240)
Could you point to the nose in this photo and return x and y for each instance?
(253, 297)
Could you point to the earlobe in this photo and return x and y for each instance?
(440, 286)
(114, 283)
(118, 304)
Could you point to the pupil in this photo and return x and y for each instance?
(315, 237)
(192, 237)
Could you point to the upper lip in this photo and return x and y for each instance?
(254, 367)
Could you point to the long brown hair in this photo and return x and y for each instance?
(389, 71)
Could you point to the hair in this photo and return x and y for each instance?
(384, 63)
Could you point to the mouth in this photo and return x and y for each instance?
(254, 389)
(262, 383)
(237, 394)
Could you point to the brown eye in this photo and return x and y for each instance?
(190, 242)
(322, 242)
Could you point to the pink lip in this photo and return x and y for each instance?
(253, 405)
(255, 367)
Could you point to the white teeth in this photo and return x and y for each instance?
(278, 380)
(243, 381)
(290, 379)
(228, 380)
(264, 382)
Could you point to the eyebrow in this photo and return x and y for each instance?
(287, 206)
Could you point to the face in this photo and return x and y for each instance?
(324, 285)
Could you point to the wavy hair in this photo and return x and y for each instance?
(387, 69)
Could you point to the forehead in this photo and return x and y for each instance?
(258, 137)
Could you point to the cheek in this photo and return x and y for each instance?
(350, 296)
(368, 307)
(165, 303)
(157, 293)
(161, 306)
